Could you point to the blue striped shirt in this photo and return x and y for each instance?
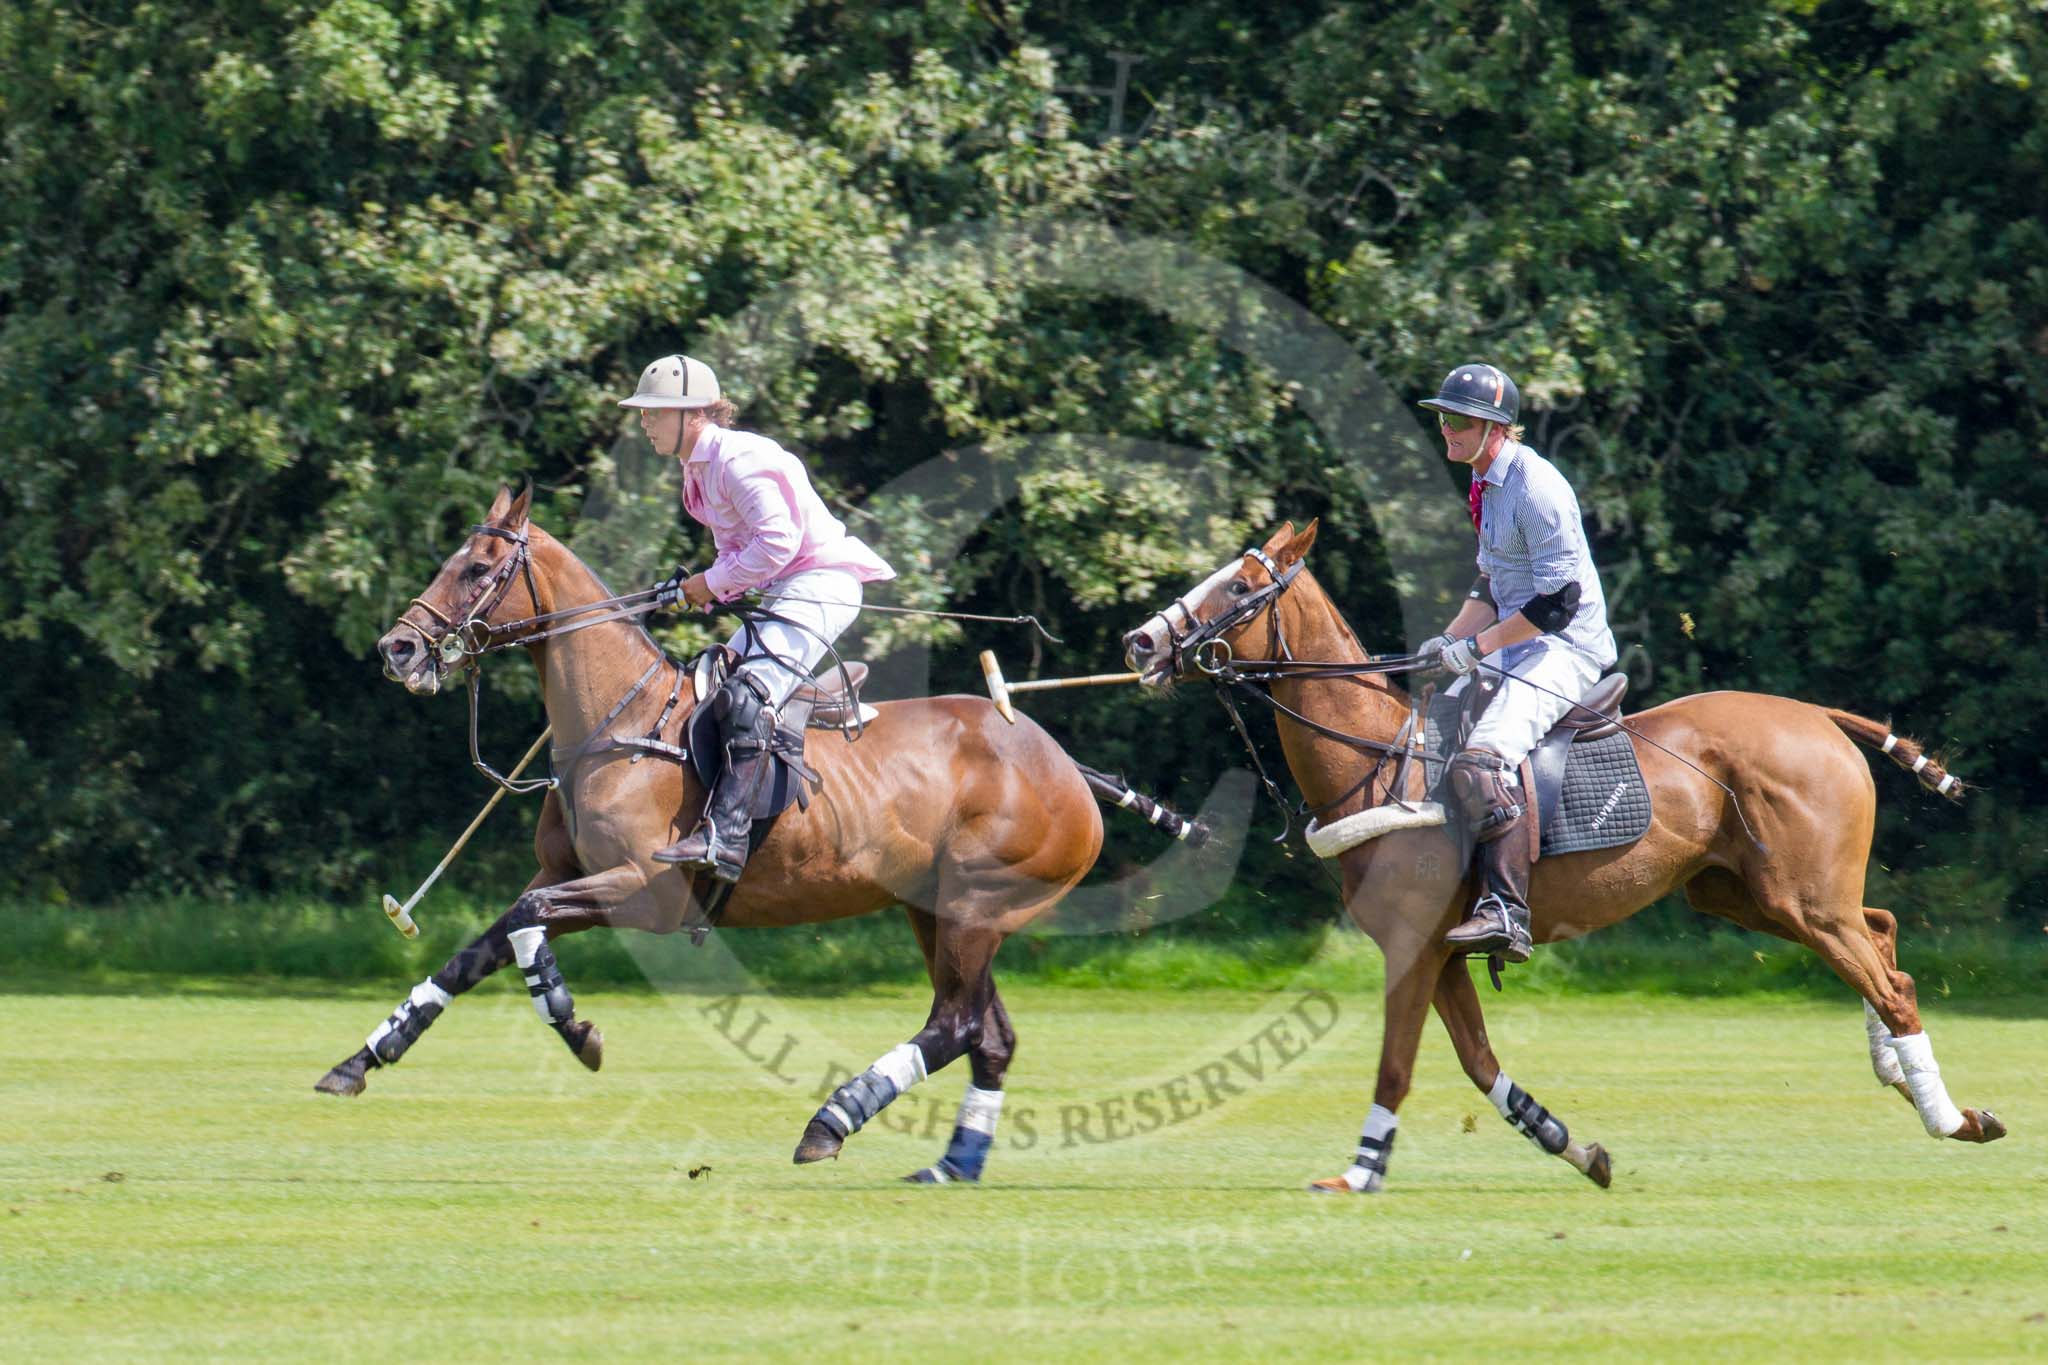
(1531, 540)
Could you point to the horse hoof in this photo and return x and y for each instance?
(818, 1143)
(1980, 1125)
(586, 1040)
(938, 1175)
(1600, 1169)
(350, 1078)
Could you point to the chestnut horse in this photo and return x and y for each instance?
(974, 824)
(1804, 787)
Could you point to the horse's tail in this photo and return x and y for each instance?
(1114, 791)
(1907, 753)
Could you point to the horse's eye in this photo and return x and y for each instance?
(474, 571)
(1238, 587)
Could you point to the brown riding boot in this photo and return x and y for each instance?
(1499, 922)
(1497, 815)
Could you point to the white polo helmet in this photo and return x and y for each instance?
(674, 381)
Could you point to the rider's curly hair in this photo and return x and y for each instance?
(721, 412)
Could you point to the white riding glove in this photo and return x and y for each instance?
(1435, 644)
(1461, 656)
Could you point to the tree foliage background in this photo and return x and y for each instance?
(287, 291)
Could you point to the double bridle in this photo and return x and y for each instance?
(1202, 645)
(467, 636)
(474, 636)
(467, 639)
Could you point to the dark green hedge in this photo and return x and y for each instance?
(286, 292)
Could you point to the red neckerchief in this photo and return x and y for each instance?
(1472, 499)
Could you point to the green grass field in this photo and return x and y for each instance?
(173, 1187)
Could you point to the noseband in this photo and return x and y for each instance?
(473, 636)
(1203, 645)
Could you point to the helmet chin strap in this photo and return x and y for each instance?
(682, 423)
(1485, 458)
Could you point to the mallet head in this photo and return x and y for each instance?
(998, 690)
(401, 920)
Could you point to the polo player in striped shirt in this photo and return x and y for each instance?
(1536, 614)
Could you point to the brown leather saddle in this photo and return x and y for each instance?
(834, 700)
(1598, 716)
(831, 702)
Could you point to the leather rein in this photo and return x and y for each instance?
(474, 637)
(1202, 646)
(1210, 655)
(468, 636)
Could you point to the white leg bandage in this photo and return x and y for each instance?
(551, 1000)
(903, 1064)
(867, 1094)
(974, 1132)
(1923, 1079)
(1883, 1059)
(1368, 1171)
(526, 943)
(389, 1040)
(979, 1110)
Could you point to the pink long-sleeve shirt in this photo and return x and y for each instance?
(765, 518)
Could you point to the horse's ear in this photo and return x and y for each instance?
(1296, 548)
(499, 506)
(1280, 538)
(515, 514)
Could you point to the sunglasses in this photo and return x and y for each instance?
(1456, 421)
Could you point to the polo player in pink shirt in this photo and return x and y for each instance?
(773, 535)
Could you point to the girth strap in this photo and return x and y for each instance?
(651, 742)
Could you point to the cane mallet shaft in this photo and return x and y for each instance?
(401, 915)
(999, 691)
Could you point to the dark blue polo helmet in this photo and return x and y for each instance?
(1476, 390)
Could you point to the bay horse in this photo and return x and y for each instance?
(1789, 765)
(974, 824)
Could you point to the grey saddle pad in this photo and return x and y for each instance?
(1604, 801)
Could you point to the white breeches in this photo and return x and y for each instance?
(1520, 715)
(825, 601)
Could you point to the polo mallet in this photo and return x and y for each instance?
(999, 691)
(401, 915)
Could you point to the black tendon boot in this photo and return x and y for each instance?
(746, 724)
(1499, 923)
